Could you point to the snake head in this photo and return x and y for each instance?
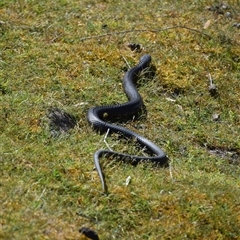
(145, 59)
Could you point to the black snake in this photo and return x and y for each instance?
(96, 114)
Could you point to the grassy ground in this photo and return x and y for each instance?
(48, 186)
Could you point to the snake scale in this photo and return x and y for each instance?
(96, 115)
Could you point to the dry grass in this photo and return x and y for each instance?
(50, 57)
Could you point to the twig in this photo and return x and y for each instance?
(128, 179)
(105, 140)
(41, 194)
(126, 62)
(212, 87)
(170, 172)
(144, 30)
(210, 79)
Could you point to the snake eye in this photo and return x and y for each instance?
(105, 115)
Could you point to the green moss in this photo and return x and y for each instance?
(65, 54)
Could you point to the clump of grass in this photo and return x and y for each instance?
(49, 189)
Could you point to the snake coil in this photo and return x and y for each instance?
(96, 114)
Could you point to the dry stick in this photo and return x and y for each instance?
(210, 79)
(170, 172)
(126, 61)
(144, 30)
(212, 87)
(105, 140)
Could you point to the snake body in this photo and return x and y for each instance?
(96, 114)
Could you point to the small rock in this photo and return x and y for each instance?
(208, 8)
(212, 89)
(104, 26)
(228, 15)
(215, 117)
(224, 6)
(135, 47)
(89, 233)
(237, 25)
